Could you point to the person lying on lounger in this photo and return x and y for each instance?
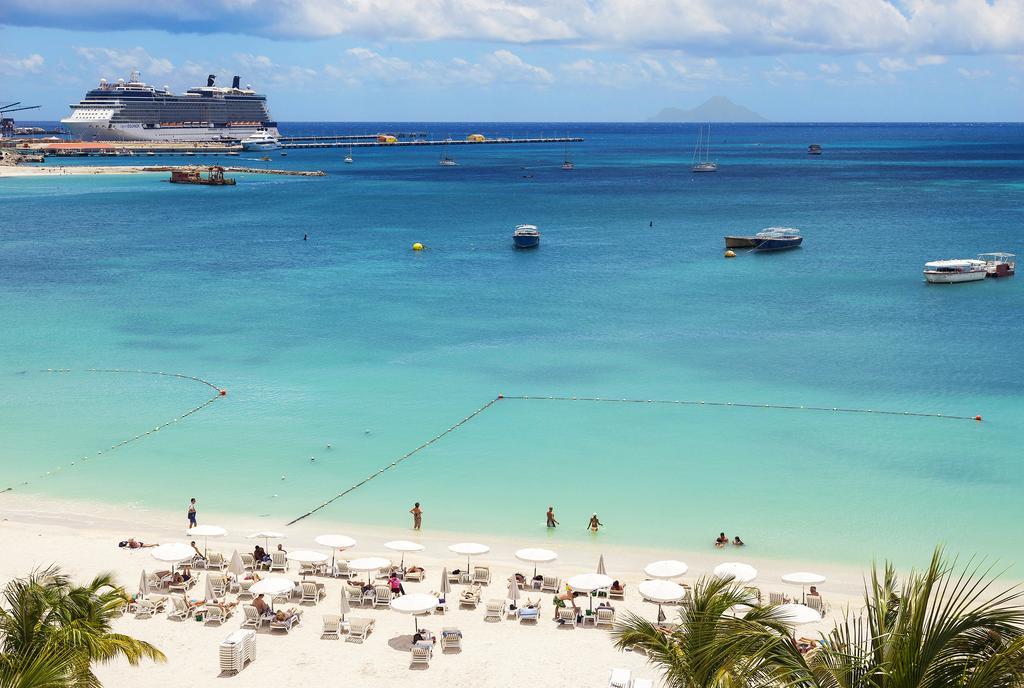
(287, 616)
(424, 639)
(617, 586)
(414, 569)
(132, 543)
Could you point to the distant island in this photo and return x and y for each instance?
(714, 109)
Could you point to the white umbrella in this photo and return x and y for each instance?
(335, 542)
(661, 592)
(535, 555)
(143, 585)
(741, 573)
(803, 579)
(416, 603)
(665, 569)
(306, 556)
(470, 549)
(172, 553)
(236, 566)
(206, 532)
(369, 564)
(588, 583)
(404, 546)
(600, 565)
(209, 594)
(267, 536)
(272, 585)
(513, 589)
(796, 614)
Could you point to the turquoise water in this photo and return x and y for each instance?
(351, 339)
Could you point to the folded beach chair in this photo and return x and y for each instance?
(358, 628)
(253, 618)
(481, 575)
(776, 598)
(180, 609)
(248, 562)
(311, 592)
(382, 595)
(550, 584)
(451, 639)
(332, 627)
(619, 678)
(816, 603)
(529, 614)
(617, 594)
(605, 617)
(278, 561)
(286, 625)
(213, 613)
(495, 610)
(420, 655)
(215, 560)
(414, 575)
(567, 615)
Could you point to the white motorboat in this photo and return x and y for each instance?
(260, 140)
(955, 271)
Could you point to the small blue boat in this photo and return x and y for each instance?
(526, 236)
(777, 239)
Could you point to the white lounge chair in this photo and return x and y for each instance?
(287, 624)
(495, 610)
(219, 584)
(182, 587)
(619, 678)
(414, 575)
(619, 594)
(253, 618)
(341, 569)
(605, 617)
(180, 609)
(451, 639)
(278, 561)
(816, 603)
(642, 683)
(481, 575)
(776, 598)
(420, 655)
(358, 628)
(311, 592)
(550, 584)
(243, 588)
(529, 614)
(382, 595)
(148, 606)
(354, 594)
(213, 613)
(470, 597)
(567, 615)
(248, 562)
(332, 627)
(310, 569)
(215, 560)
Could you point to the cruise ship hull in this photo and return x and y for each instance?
(133, 131)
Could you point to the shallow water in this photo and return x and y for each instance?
(352, 339)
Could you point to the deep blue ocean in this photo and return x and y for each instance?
(352, 339)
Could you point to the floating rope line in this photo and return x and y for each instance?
(399, 460)
(679, 402)
(219, 393)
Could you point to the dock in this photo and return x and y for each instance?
(328, 142)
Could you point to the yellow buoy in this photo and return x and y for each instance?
(730, 254)
(417, 246)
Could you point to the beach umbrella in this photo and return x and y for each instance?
(404, 546)
(446, 587)
(588, 583)
(345, 608)
(306, 556)
(665, 569)
(513, 589)
(236, 566)
(741, 573)
(803, 579)
(335, 542)
(469, 549)
(267, 536)
(172, 553)
(661, 592)
(143, 585)
(416, 603)
(209, 594)
(535, 555)
(600, 565)
(206, 532)
(272, 586)
(796, 614)
(369, 564)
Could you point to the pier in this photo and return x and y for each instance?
(329, 142)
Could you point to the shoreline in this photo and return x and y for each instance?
(84, 170)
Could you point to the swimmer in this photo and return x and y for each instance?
(594, 524)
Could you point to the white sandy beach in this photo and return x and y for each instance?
(71, 170)
(82, 537)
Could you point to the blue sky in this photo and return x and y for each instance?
(535, 60)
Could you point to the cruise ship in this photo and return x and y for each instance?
(134, 111)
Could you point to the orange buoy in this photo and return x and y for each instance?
(977, 418)
(223, 392)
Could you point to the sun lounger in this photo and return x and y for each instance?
(287, 624)
(311, 592)
(354, 594)
(777, 598)
(605, 617)
(442, 603)
(481, 575)
(358, 628)
(183, 586)
(420, 655)
(455, 576)
(495, 610)
(642, 683)
(567, 615)
(180, 608)
(550, 584)
(215, 560)
(243, 588)
(382, 595)
(341, 570)
(219, 584)
(331, 627)
(529, 614)
(214, 613)
(278, 561)
(148, 606)
(470, 597)
(414, 575)
(816, 603)
(155, 580)
(619, 594)
(253, 618)
(451, 639)
(619, 678)
(248, 562)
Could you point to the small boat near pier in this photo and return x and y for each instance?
(193, 175)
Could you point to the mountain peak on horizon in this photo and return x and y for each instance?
(714, 109)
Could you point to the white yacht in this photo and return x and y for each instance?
(702, 153)
(260, 140)
(955, 271)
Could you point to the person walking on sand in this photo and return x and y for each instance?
(192, 513)
(417, 516)
(594, 524)
(551, 517)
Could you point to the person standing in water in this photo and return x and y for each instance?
(551, 517)
(192, 513)
(417, 516)
(594, 524)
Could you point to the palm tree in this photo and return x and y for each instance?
(52, 632)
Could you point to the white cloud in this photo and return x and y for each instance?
(829, 68)
(15, 66)
(894, 64)
(674, 71)
(974, 73)
(508, 66)
(781, 71)
(863, 67)
(930, 60)
(109, 61)
(698, 26)
(362, 65)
